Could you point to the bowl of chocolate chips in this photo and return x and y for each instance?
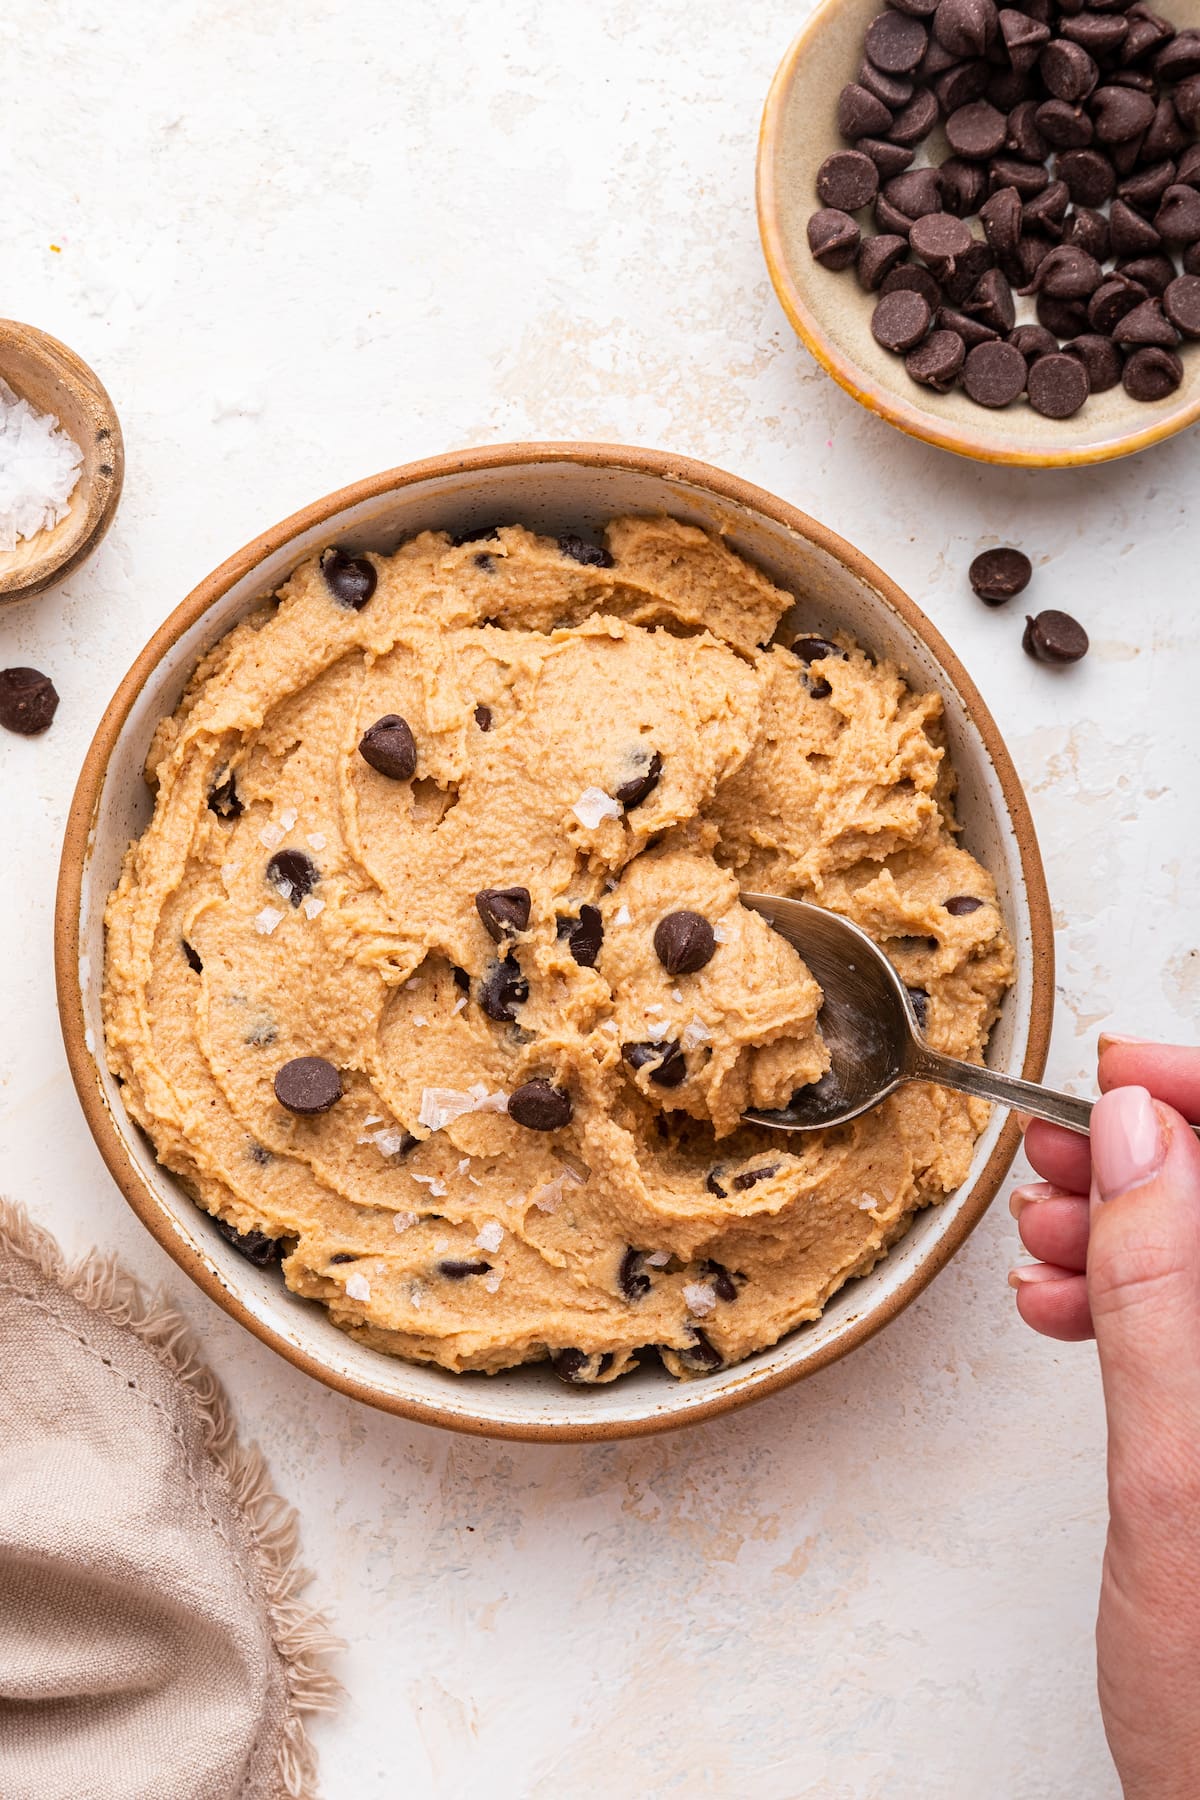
(984, 221)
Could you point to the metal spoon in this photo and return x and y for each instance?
(870, 1024)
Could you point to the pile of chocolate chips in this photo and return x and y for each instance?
(1072, 134)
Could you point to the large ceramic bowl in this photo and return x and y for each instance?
(832, 314)
(551, 487)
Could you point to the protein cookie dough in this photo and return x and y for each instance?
(395, 979)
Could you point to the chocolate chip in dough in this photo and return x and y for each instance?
(592, 556)
(483, 717)
(847, 180)
(504, 911)
(1054, 637)
(584, 935)
(223, 799)
(255, 1246)
(701, 1355)
(456, 1268)
(833, 238)
(1152, 373)
(580, 1368)
(1181, 304)
(389, 748)
(901, 319)
(350, 579)
(632, 1279)
(28, 701)
(666, 1062)
(502, 989)
(308, 1085)
(919, 1000)
(540, 1106)
(751, 1177)
(293, 874)
(1058, 386)
(712, 1183)
(684, 942)
(994, 374)
(191, 958)
(959, 905)
(997, 575)
(938, 361)
(631, 793)
(723, 1284)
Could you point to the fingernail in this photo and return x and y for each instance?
(1029, 1274)
(1114, 1037)
(1128, 1143)
(1032, 1193)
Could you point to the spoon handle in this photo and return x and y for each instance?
(1006, 1090)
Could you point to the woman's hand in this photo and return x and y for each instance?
(1115, 1225)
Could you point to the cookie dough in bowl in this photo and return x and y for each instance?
(428, 976)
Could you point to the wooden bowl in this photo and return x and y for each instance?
(553, 488)
(54, 380)
(832, 314)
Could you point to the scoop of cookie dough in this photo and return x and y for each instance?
(421, 819)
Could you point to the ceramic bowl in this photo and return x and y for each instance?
(832, 314)
(551, 487)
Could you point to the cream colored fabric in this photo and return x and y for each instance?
(151, 1643)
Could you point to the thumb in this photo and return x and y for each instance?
(1144, 1285)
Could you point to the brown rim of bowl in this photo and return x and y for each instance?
(877, 399)
(83, 809)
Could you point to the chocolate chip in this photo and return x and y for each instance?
(669, 1064)
(1189, 167)
(896, 42)
(915, 193)
(889, 159)
(580, 1368)
(388, 747)
(877, 256)
(28, 701)
(343, 1256)
(833, 238)
(900, 320)
(1178, 216)
(701, 1355)
(959, 905)
(916, 120)
(890, 219)
(1065, 318)
(1000, 216)
(684, 942)
(1046, 211)
(584, 935)
(1054, 637)
(961, 84)
(1129, 234)
(1100, 357)
(1090, 177)
(502, 989)
(994, 374)
(308, 1085)
(1024, 138)
(1191, 260)
(971, 331)
(1068, 71)
(1023, 37)
(816, 649)
(1089, 230)
(483, 717)
(847, 180)
(190, 957)
(992, 302)
(592, 556)
(474, 535)
(1120, 113)
(1181, 303)
(912, 280)
(960, 279)
(1065, 126)
(920, 1005)
(631, 793)
(1144, 190)
(1033, 341)
(350, 579)
(938, 361)
(1112, 300)
(632, 1279)
(504, 911)
(711, 1183)
(1146, 324)
(1180, 58)
(1007, 88)
(1100, 35)
(255, 1246)
(965, 27)
(461, 978)
(293, 874)
(996, 575)
(540, 1106)
(963, 184)
(1009, 171)
(1067, 273)
(977, 131)
(939, 238)
(1058, 386)
(1152, 373)
(1154, 273)
(751, 1177)
(894, 90)
(223, 798)
(457, 1269)
(723, 1284)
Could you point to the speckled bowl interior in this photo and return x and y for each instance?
(832, 314)
(550, 488)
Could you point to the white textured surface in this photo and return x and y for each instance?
(302, 245)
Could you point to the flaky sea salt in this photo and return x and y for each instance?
(288, 817)
(676, 996)
(436, 1188)
(490, 1236)
(720, 934)
(389, 1142)
(266, 921)
(228, 871)
(547, 1198)
(39, 469)
(594, 805)
(492, 1280)
(695, 1033)
(459, 1005)
(416, 1296)
(420, 1019)
(403, 1221)
(316, 840)
(358, 1287)
(621, 916)
(373, 1119)
(699, 1297)
(283, 888)
(270, 837)
(655, 1008)
(464, 1165)
(312, 907)
(657, 1029)
(440, 1244)
(658, 1259)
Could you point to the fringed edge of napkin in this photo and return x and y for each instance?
(301, 1636)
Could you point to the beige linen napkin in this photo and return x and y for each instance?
(152, 1646)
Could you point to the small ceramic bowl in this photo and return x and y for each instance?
(832, 314)
(54, 380)
(553, 488)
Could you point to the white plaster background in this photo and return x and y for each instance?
(301, 244)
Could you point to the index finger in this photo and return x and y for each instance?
(1061, 1156)
(1171, 1072)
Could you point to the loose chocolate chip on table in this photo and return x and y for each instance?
(293, 874)
(965, 27)
(912, 280)
(223, 798)
(1007, 88)
(483, 717)
(1054, 637)
(896, 42)
(592, 556)
(1189, 167)
(1065, 126)
(1099, 35)
(889, 159)
(502, 989)
(1152, 373)
(1146, 324)
(1009, 171)
(1024, 138)
(959, 905)
(937, 362)
(963, 186)
(1100, 357)
(994, 374)
(350, 579)
(939, 238)
(1181, 303)
(847, 180)
(833, 238)
(308, 1085)
(960, 85)
(1023, 37)
(388, 747)
(890, 219)
(1178, 216)
(1144, 190)
(255, 1246)
(584, 935)
(684, 942)
(1058, 386)
(631, 793)
(504, 911)
(28, 701)
(701, 1354)
(669, 1067)
(977, 131)
(190, 957)
(1180, 58)
(861, 113)
(901, 319)
(456, 1269)
(632, 1279)
(540, 1106)
(997, 575)
(1033, 341)
(916, 120)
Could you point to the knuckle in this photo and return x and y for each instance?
(1144, 1273)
